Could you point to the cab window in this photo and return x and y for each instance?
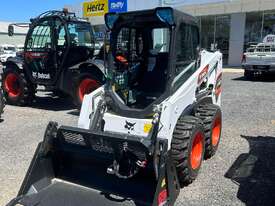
(187, 44)
(40, 37)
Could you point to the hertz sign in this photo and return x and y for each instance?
(95, 8)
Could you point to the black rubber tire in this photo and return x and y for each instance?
(184, 134)
(248, 74)
(27, 93)
(208, 113)
(2, 103)
(60, 94)
(80, 78)
(50, 134)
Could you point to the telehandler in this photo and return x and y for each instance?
(58, 54)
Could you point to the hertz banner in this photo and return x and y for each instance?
(95, 8)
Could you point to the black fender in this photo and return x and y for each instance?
(14, 62)
(95, 67)
(67, 82)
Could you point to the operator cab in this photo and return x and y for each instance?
(79, 38)
(140, 63)
(56, 40)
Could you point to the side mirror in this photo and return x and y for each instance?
(10, 30)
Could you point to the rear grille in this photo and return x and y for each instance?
(73, 138)
(106, 145)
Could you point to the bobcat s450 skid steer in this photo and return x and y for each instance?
(144, 134)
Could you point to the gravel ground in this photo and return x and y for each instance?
(241, 173)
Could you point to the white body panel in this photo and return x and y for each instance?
(115, 123)
(88, 108)
(172, 107)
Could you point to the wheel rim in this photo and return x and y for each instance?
(87, 86)
(12, 85)
(197, 151)
(216, 131)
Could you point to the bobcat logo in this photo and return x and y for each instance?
(130, 126)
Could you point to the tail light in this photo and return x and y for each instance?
(162, 198)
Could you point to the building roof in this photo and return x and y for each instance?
(216, 7)
(17, 30)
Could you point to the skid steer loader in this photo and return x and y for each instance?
(144, 134)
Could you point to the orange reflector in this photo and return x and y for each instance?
(162, 198)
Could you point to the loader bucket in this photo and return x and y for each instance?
(73, 173)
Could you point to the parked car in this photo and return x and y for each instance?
(6, 51)
(260, 58)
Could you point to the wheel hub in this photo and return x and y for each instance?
(87, 86)
(216, 131)
(12, 85)
(197, 151)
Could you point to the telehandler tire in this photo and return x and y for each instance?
(211, 116)
(249, 75)
(16, 89)
(2, 103)
(85, 84)
(188, 148)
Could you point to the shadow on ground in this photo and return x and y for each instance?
(257, 78)
(254, 172)
(53, 103)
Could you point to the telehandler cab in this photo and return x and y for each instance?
(145, 133)
(58, 54)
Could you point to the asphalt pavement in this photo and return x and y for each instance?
(241, 173)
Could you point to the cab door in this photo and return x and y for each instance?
(40, 54)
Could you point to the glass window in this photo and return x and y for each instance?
(123, 42)
(81, 34)
(187, 44)
(161, 38)
(269, 23)
(61, 37)
(208, 32)
(215, 32)
(222, 35)
(40, 37)
(253, 29)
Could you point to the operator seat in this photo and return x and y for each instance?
(153, 80)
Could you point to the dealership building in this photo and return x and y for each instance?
(228, 25)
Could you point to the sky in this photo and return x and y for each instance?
(23, 10)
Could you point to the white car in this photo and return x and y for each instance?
(6, 52)
(260, 58)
